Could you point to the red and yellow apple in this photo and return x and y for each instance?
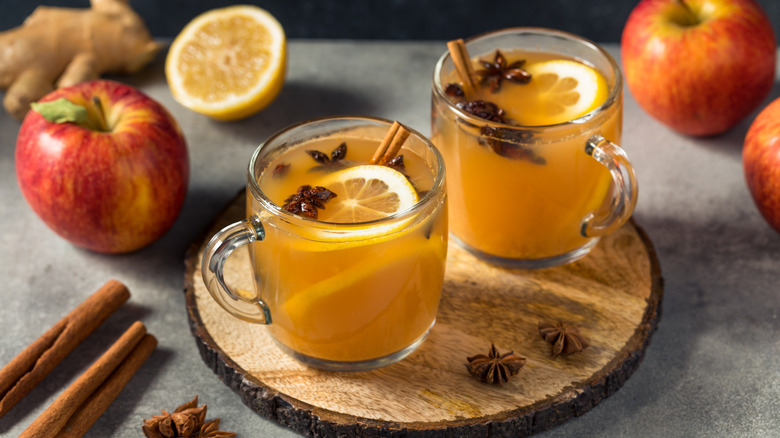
(112, 180)
(699, 66)
(761, 162)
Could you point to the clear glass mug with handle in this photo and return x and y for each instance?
(527, 190)
(337, 296)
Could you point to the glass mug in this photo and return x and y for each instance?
(337, 296)
(533, 196)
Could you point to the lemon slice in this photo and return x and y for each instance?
(228, 63)
(565, 90)
(366, 193)
(427, 253)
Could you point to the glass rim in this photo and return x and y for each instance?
(254, 188)
(612, 97)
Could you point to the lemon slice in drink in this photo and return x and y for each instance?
(363, 193)
(366, 193)
(228, 63)
(564, 90)
(396, 259)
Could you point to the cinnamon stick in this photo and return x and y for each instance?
(380, 151)
(36, 361)
(464, 67)
(56, 416)
(391, 144)
(395, 146)
(86, 415)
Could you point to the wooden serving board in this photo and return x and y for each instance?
(613, 295)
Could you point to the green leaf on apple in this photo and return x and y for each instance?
(61, 111)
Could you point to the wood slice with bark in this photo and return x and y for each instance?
(613, 295)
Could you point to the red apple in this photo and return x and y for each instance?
(761, 162)
(699, 66)
(113, 182)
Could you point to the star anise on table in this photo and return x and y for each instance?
(565, 339)
(494, 368)
(187, 421)
(496, 71)
(329, 162)
(307, 200)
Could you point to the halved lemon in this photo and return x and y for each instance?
(228, 63)
(564, 90)
(366, 193)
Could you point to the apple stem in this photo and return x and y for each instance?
(101, 115)
(690, 15)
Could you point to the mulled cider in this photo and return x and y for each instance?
(351, 263)
(526, 125)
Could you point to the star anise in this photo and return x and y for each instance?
(397, 163)
(187, 421)
(498, 70)
(565, 339)
(483, 109)
(307, 200)
(510, 143)
(281, 170)
(334, 160)
(495, 368)
(454, 90)
(211, 430)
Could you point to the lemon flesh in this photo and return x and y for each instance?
(559, 91)
(228, 63)
(366, 193)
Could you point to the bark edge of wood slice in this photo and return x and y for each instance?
(617, 310)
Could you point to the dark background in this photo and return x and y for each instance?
(599, 20)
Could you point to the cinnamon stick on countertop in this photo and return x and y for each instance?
(97, 403)
(35, 362)
(69, 403)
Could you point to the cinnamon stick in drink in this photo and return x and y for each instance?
(391, 144)
(385, 143)
(36, 361)
(460, 57)
(395, 145)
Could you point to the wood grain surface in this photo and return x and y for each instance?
(613, 295)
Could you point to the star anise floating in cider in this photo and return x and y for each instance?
(491, 76)
(495, 367)
(281, 170)
(397, 163)
(483, 109)
(329, 162)
(565, 339)
(510, 143)
(454, 91)
(307, 200)
(187, 421)
(497, 71)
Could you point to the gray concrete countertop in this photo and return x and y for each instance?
(711, 368)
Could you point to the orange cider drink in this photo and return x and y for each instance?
(528, 138)
(350, 264)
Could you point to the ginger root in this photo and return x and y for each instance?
(68, 46)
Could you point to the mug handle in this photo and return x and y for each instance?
(623, 202)
(215, 256)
